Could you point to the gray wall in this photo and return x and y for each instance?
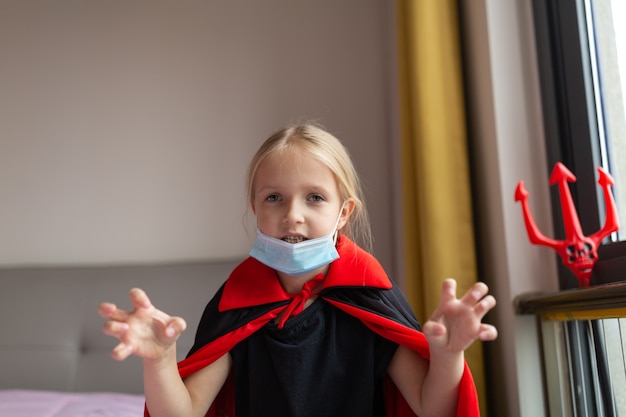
(126, 126)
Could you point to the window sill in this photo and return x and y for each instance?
(598, 302)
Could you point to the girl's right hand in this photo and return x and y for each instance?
(145, 332)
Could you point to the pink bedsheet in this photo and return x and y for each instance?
(25, 403)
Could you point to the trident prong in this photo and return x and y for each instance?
(611, 221)
(578, 252)
(561, 176)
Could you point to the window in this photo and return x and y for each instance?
(607, 36)
(580, 69)
(583, 335)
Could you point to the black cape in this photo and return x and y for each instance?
(355, 283)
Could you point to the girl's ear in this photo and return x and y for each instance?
(346, 211)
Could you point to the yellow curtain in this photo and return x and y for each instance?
(438, 224)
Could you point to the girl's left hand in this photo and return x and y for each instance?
(456, 323)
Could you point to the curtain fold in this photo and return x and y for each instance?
(437, 207)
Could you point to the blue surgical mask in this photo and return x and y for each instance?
(295, 258)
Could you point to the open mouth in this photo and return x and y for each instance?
(294, 239)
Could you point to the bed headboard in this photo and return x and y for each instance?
(51, 333)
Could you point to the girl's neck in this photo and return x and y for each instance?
(293, 284)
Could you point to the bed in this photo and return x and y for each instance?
(54, 359)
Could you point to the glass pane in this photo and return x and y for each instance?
(614, 342)
(608, 37)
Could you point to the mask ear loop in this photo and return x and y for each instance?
(336, 234)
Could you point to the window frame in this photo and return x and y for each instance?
(571, 129)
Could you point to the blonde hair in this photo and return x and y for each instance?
(327, 149)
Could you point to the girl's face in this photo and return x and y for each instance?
(296, 198)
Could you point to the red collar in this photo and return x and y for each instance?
(252, 283)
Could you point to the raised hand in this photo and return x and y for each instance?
(456, 323)
(145, 332)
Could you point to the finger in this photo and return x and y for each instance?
(172, 327)
(483, 306)
(161, 318)
(121, 351)
(139, 298)
(448, 290)
(448, 294)
(175, 327)
(487, 332)
(475, 294)
(115, 329)
(110, 311)
(434, 329)
(106, 309)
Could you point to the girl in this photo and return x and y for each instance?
(309, 324)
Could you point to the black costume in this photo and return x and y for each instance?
(357, 296)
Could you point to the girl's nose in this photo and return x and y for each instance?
(293, 214)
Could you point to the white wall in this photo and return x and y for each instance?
(505, 111)
(126, 126)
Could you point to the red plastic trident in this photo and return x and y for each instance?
(578, 252)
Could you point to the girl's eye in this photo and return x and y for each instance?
(316, 198)
(272, 197)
